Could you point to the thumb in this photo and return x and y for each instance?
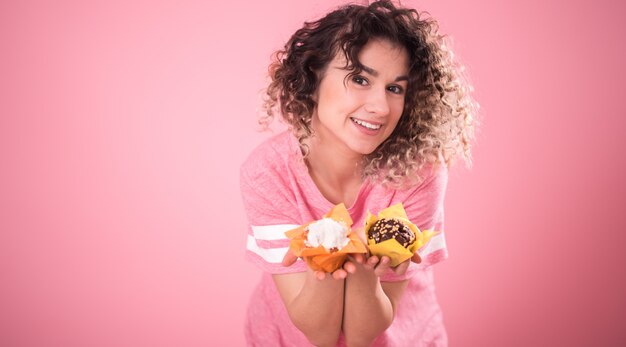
(289, 258)
(360, 232)
(416, 258)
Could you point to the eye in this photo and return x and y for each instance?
(360, 80)
(396, 89)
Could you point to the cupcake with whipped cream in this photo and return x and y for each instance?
(326, 243)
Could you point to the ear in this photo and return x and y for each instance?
(315, 95)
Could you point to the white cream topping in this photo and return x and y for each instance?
(366, 124)
(328, 233)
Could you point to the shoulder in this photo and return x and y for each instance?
(272, 157)
(433, 179)
(268, 177)
(276, 151)
(424, 201)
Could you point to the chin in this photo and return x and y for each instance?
(364, 150)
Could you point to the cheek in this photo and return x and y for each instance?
(397, 114)
(329, 98)
(339, 104)
(397, 110)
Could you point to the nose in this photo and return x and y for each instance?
(377, 102)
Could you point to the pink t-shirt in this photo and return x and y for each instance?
(279, 195)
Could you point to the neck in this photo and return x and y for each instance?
(333, 167)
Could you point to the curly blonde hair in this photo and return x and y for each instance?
(437, 123)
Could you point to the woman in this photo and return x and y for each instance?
(377, 112)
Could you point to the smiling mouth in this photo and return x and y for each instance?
(366, 124)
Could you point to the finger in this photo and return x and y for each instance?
(359, 258)
(382, 266)
(289, 258)
(416, 258)
(373, 260)
(320, 275)
(349, 267)
(401, 268)
(340, 274)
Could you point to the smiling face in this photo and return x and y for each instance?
(358, 115)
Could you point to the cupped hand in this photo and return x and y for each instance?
(349, 267)
(339, 274)
(380, 265)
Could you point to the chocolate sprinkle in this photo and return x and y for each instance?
(387, 228)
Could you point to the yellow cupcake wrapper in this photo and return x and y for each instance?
(392, 248)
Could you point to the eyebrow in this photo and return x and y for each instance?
(374, 73)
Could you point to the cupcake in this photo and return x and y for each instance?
(388, 228)
(391, 233)
(328, 233)
(326, 243)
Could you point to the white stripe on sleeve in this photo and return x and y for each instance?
(436, 243)
(272, 232)
(270, 255)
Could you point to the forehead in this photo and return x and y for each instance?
(379, 55)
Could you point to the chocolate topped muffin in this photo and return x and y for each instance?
(387, 228)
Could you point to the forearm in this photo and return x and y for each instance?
(317, 309)
(368, 311)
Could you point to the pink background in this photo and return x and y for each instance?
(123, 124)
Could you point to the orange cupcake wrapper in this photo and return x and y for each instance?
(318, 258)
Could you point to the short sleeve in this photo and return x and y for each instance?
(270, 213)
(424, 207)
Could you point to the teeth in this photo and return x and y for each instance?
(366, 124)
